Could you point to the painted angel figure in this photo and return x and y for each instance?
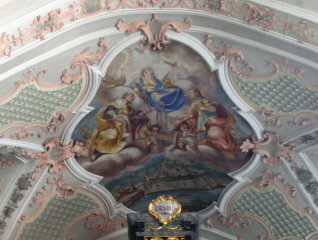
(210, 118)
(154, 136)
(117, 123)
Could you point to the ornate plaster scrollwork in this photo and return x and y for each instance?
(271, 202)
(264, 182)
(57, 197)
(83, 59)
(260, 16)
(305, 176)
(292, 79)
(58, 119)
(273, 121)
(126, 3)
(252, 13)
(32, 107)
(4, 163)
(90, 8)
(55, 184)
(193, 4)
(5, 45)
(55, 155)
(155, 39)
(235, 55)
(49, 23)
(299, 120)
(271, 148)
(33, 97)
(229, 221)
(108, 225)
(17, 151)
(63, 188)
(17, 195)
(25, 132)
(306, 32)
(42, 25)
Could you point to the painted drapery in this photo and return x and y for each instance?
(163, 97)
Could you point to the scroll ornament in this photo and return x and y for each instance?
(154, 39)
(55, 155)
(272, 149)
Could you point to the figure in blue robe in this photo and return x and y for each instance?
(164, 97)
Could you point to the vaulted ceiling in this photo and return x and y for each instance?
(63, 62)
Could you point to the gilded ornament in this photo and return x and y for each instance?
(164, 238)
(164, 208)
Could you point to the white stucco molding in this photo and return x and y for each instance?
(290, 9)
(21, 144)
(28, 17)
(224, 235)
(131, 12)
(12, 222)
(83, 108)
(303, 192)
(18, 171)
(241, 176)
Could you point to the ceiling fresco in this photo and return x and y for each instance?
(169, 125)
(106, 105)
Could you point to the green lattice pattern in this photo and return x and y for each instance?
(32, 105)
(55, 217)
(284, 94)
(277, 214)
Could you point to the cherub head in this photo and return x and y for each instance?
(184, 127)
(154, 128)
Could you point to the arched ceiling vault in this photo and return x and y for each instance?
(258, 58)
